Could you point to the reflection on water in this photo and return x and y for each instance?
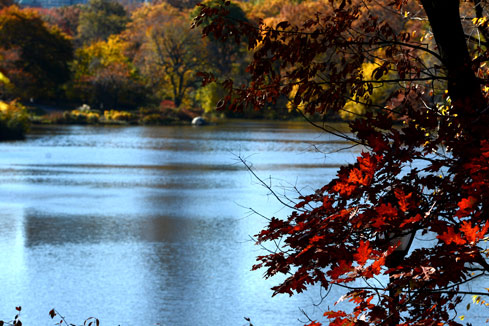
(147, 225)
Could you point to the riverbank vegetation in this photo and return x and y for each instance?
(14, 120)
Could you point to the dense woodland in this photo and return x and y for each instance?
(113, 57)
(138, 62)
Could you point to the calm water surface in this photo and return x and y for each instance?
(151, 225)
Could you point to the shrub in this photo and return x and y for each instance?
(13, 121)
(118, 116)
(80, 116)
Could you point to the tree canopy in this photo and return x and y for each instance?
(166, 52)
(36, 55)
(424, 168)
(100, 19)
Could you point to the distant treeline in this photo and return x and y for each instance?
(145, 56)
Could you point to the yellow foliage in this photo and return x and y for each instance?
(88, 115)
(479, 21)
(4, 79)
(208, 96)
(290, 104)
(110, 51)
(13, 120)
(379, 95)
(4, 107)
(12, 108)
(114, 115)
(102, 54)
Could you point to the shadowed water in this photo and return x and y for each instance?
(150, 225)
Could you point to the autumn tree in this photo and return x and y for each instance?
(225, 54)
(36, 55)
(105, 78)
(100, 19)
(182, 4)
(66, 18)
(227, 59)
(423, 170)
(167, 52)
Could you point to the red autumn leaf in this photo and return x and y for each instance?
(377, 143)
(379, 222)
(334, 314)
(482, 233)
(316, 238)
(342, 268)
(403, 199)
(344, 188)
(314, 323)
(356, 176)
(470, 232)
(451, 236)
(386, 210)
(377, 265)
(413, 219)
(363, 253)
(367, 163)
(466, 205)
(327, 202)
(304, 250)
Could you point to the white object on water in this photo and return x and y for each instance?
(199, 121)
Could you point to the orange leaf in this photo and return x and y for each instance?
(344, 267)
(363, 252)
(402, 199)
(377, 265)
(466, 205)
(469, 231)
(314, 323)
(413, 219)
(386, 210)
(450, 236)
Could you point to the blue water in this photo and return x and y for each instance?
(152, 225)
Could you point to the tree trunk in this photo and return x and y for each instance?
(463, 86)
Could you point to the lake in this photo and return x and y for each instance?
(152, 225)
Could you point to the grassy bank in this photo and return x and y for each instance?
(85, 115)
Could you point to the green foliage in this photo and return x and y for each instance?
(226, 57)
(100, 19)
(157, 117)
(234, 14)
(126, 62)
(208, 97)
